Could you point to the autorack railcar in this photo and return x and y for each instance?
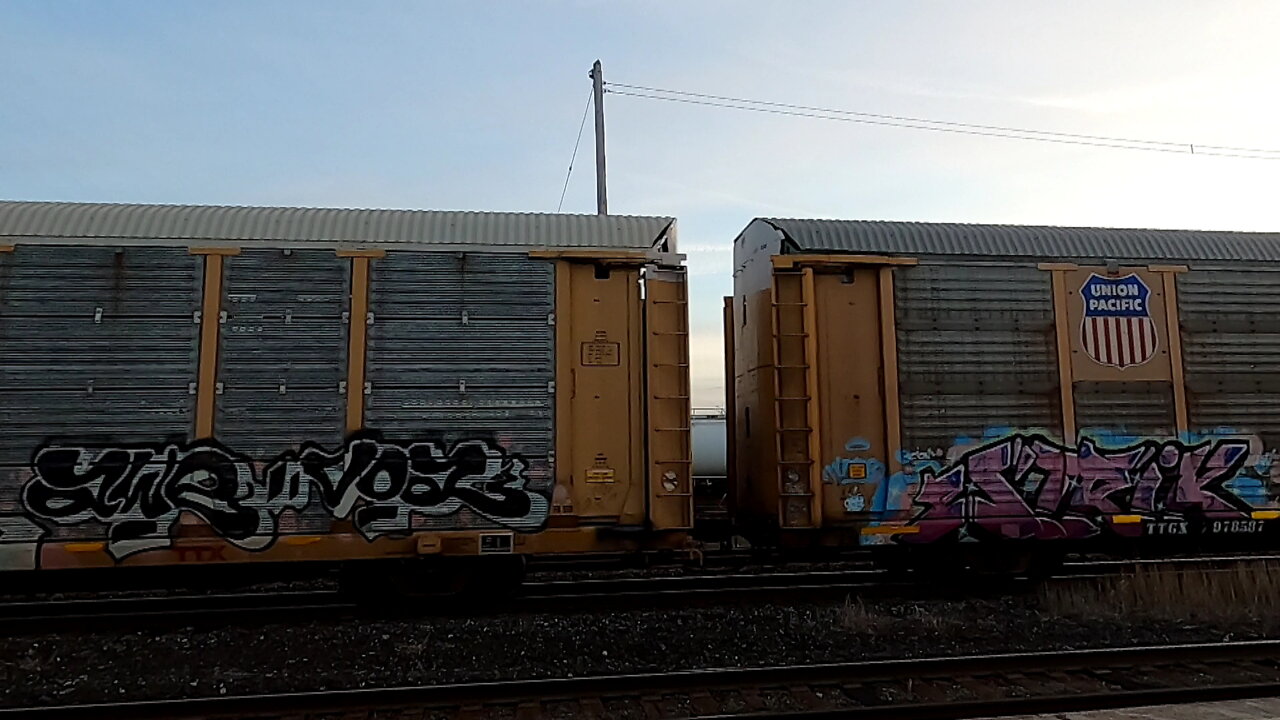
(196, 385)
(916, 385)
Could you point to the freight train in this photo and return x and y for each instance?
(233, 387)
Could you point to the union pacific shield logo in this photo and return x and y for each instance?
(1117, 329)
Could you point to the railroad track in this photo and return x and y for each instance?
(922, 689)
(88, 614)
(111, 612)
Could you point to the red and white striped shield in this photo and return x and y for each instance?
(1117, 329)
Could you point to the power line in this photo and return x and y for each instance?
(1011, 133)
(574, 156)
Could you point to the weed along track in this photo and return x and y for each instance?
(959, 687)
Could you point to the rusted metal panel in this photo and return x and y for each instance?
(282, 350)
(1231, 350)
(976, 351)
(1130, 409)
(461, 347)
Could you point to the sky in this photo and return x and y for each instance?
(475, 106)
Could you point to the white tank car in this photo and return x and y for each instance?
(709, 444)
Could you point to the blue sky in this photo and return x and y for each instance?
(474, 105)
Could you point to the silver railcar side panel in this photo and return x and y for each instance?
(975, 351)
(282, 356)
(462, 347)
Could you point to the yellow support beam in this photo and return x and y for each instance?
(357, 340)
(1066, 376)
(210, 309)
(617, 256)
(1175, 350)
(889, 365)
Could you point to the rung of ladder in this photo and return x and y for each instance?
(670, 429)
(794, 397)
(807, 495)
(795, 429)
(795, 462)
(670, 397)
(800, 335)
(790, 304)
(674, 365)
(792, 367)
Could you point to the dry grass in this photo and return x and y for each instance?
(857, 617)
(1223, 597)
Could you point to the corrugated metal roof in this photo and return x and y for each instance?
(326, 226)
(915, 238)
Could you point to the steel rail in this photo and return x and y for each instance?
(89, 613)
(533, 694)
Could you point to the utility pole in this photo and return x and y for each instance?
(597, 88)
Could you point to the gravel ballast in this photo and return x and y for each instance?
(368, 652)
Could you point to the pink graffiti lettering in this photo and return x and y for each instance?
(1029, 487)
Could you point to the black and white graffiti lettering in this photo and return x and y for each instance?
(140, 491)
(380, 485)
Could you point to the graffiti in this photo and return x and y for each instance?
(140, 491)
(851, 471)
(381, 485)
(1027, 486)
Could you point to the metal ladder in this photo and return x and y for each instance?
(795, 407)
(668, 328)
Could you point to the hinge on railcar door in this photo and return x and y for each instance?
(462, 387)
(284, 388)
(195, 317)
(288, 317)
(346, 317)
(368, 319)
(217, 388)
(97, 316)
(222, 317)
(191, 388)
(368, 388)
(342, 387)
(551, 387)
(551, 318)
(466, 318)
(89, 389)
